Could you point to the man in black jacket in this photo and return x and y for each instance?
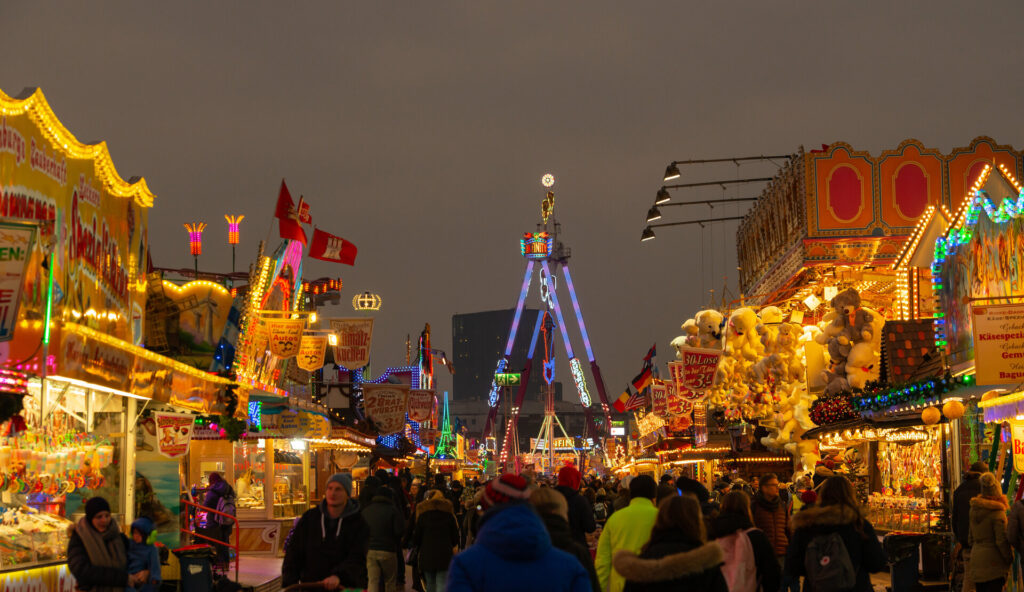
(386, 524)
(971, 487)
(328, 544)
(581, 514)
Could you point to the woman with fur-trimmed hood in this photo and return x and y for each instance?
(837, 512)
(436, 537)
(678, 556)
(991, 555)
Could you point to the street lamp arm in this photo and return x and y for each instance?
(709, 201)
(723, 182)
(739, 159)
(704, 221)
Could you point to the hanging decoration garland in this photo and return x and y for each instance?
(878, 399)
(833, 409)
(227, 427)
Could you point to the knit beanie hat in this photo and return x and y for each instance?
(507, 488)
(144, 526)
(343, 479)
(990, 486)
(94, 506)
(569, 477)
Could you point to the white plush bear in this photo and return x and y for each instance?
(768, 328)
(741, 337)
(862, 365)
(709, 328)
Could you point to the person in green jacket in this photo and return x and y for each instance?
(628, 528)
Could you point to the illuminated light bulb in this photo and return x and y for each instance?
(195, 237)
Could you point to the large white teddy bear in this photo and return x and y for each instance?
(709, 329)
(862, 365)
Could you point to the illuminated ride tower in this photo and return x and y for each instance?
(545, 254)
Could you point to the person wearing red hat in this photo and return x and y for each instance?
(581, 513)
(513, 551)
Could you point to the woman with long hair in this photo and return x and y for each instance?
(677, 556)
(837, 513)
(734, 519)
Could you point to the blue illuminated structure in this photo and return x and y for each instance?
(544, 246)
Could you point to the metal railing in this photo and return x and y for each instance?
(194, 519)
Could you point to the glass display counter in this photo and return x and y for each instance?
(250, 476)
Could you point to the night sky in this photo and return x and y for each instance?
(420, 131)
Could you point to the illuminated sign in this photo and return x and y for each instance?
(581, 381)
(536, 245)
(492, 398)
(618, 428)
(508, 379)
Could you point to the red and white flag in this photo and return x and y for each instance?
(328, 247)
(288, 216)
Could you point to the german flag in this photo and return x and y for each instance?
(643, 380)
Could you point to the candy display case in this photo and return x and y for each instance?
(30, 538)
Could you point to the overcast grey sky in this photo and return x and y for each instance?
(420, 130)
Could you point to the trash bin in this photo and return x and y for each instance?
(196, 574)
(903, 551)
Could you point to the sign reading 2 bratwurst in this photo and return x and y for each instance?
(385, 405)
(354, 337)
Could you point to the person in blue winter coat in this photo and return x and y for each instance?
(513, 551)
(143, 556)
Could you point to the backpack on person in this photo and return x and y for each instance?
(828, 565)
(740, 568)
(225, 504)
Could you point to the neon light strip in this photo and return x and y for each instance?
(558, 316)
(536, 332)
(519, 308)
(579, 313)
(49, 304)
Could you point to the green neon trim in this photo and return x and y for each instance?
(49, 306)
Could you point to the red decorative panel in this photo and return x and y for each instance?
(910, 179)
(910, 190)
(841, 202)
(845, 193)
(966, 163)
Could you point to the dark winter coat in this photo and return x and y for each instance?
(671, 563)
(866, 553)
(772, 517)
(513, 552)
(961, 511)
(386, 524)
(688, 485)
(435, 534)
(1015, 526)
(561, 538)
(581, 513)
(991, 555)
(768, 570)
(88, 575)
(320, 547)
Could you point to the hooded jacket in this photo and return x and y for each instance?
(866, 553)
(672, 562)
(768, 570)
(435, 534)
(386, 523)
(772, 517)
(1015, 526)
(320, 547)
(990, 552)
(629, 529)
(512, 553)
(581, 513)
(961, 510)
(561, 538)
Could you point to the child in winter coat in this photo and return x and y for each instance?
(144, 556)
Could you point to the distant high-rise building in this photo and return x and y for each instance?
(478, 342)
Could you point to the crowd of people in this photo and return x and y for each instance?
(564, 532)
(528, 532)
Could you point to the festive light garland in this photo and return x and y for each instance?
(877, 399)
